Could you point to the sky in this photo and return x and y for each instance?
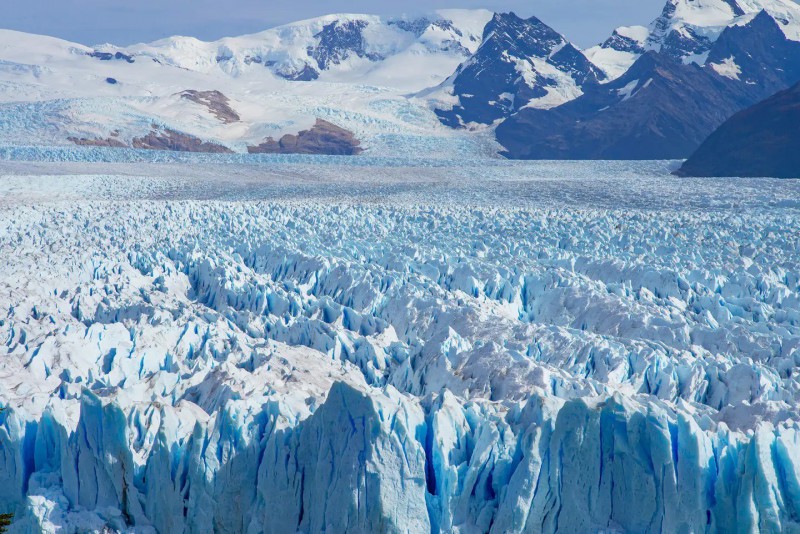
(585, 22)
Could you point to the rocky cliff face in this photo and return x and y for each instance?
(217, 104)
(166, 139)
(157, 139)
(323, 138)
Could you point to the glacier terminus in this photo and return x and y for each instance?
(520, 347)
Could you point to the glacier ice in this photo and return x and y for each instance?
(360, 362)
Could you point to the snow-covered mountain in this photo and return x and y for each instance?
(521, 63)
(409, 54)
(523, 66)
(245, 93)
(618, 52)
(697, 65)
(687, 30)
(347, 84)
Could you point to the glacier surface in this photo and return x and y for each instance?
(303, 345)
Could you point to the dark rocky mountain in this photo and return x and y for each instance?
(763, 140)
(518, 61)
(661, 108)
(758, 54)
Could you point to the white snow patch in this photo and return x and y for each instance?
(614, 63)
(564, 90)
(727, 68)
(628, 91)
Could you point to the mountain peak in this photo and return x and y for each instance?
(628, 39)
(687, 29)
(521, 62)
(756, 51)
(521, 36)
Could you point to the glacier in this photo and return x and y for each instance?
(382, 345)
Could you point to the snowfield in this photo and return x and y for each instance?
(307, 345)
(359, 72)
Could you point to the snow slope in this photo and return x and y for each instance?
(52, 91)
(360, 362)
(616, 55)
(408, 54)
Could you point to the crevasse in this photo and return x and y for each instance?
(281, 367)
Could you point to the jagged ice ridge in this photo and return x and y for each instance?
(329, 365)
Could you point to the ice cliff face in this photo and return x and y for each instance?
(281, 367)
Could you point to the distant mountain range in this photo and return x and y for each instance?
(452, 84)
(406, 54)
(662, 107)
(700, 63)
(358, 73)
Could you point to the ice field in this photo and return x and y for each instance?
(300, 344)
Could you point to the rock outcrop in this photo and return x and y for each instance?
(108, 142)
(322, 138)
(166, 139)
(157, 139)
(217, 103)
